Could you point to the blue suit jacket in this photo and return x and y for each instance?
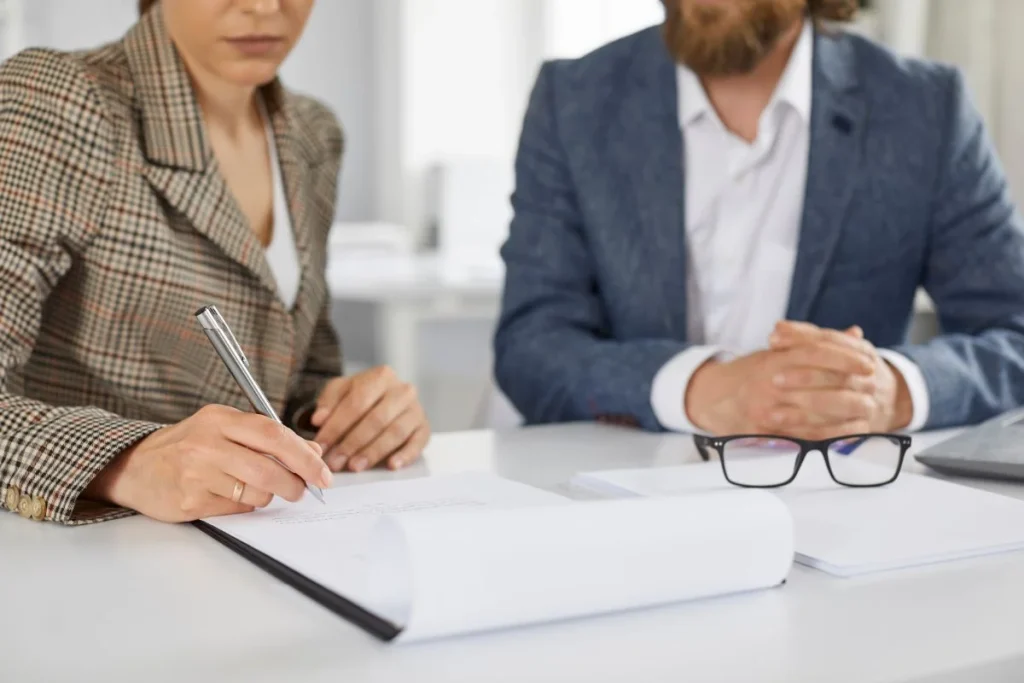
(903, 190)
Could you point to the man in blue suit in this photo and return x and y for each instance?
(721, 223)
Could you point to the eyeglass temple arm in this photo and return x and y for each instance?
(698, 442)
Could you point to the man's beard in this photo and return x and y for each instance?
(727, 39)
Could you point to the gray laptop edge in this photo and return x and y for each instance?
(993, 449)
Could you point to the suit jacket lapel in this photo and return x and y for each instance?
(300, 154)
(180, 163)
(295, 167)
(648, 145)
(838, 124)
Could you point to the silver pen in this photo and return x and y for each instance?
(230, 352)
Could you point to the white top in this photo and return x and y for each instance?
(743, 216)
(281, 253)
(169, 604)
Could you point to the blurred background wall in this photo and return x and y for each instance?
(431, 94)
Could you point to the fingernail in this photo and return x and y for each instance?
(779, 380)
(337, 462)
(358, 463)
(326, 477)
(319, 415)
(323, 446)
(396, 463)
(774, 339)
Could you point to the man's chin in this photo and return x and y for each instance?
(714, 68)
(731, 51)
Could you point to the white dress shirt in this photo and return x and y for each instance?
(282, 254)
(744, 206)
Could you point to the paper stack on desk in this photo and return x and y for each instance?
(439, 556)
(845, 531)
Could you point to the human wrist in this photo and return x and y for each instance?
(903, 405)
(702, 394)
(110, 485)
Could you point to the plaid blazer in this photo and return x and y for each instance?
(115, 227)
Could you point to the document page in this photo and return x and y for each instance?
(846, 531)
(330, 544)
(500, 568)
(441, 556)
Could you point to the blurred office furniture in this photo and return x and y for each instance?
(458, 277)
(371, 239)
(469, 210)
(426, 314)
(404, 298)
(431, 310)
(408, 290)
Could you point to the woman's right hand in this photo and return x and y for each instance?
(189, 470)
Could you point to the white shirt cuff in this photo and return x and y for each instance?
(668, 391)
(914, 379)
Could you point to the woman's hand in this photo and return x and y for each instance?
(192, 470)
(368, 418)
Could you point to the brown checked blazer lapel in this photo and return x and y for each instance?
(297, 155)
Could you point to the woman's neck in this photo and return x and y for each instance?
(228, 107)
(231, 112)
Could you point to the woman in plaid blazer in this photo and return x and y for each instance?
(139, 182)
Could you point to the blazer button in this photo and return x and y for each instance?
(11, 499)
(38, 508)
(25, 507)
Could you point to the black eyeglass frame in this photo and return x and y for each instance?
(718, 443)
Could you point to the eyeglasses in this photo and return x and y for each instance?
(765, 462)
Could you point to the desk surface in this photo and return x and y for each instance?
(135, 600)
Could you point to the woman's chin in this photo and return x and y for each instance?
(251, 75)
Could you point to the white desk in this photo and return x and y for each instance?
(135, 600)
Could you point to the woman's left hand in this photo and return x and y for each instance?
(370, 418)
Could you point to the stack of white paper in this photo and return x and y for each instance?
(915, 520)
(448, 555)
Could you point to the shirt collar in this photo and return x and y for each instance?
(794, 88)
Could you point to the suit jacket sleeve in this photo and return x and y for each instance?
(57, 153)
(556, 357)
(975, 275)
